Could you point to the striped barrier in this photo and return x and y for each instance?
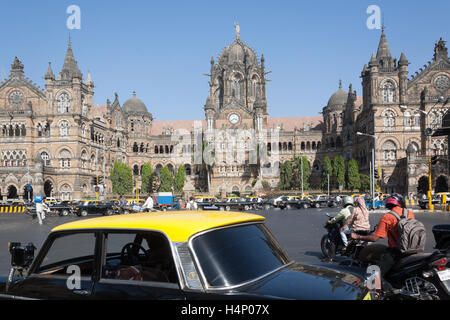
(12, 209)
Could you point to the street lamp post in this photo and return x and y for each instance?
(372, 169)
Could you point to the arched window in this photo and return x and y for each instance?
(39, 130)
(45, 158)
(84, 158)
(389, 150)
(408, 119)
(64, 128)
(136, 170)
(66, 192)
(63, 103)
(64, 159)
(135, 147)
(389, 118)
(387, 91)
(156, 150)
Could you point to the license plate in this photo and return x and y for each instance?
(444, 275)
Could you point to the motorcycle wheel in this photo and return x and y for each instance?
(328, 247)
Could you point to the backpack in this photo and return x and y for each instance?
(411, 234)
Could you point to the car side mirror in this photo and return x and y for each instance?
(21, 255)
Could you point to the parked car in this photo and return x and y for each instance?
(423, 203)
(85, 207)
(322, 200)
(200, 255)
(64, 208)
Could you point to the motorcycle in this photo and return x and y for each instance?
(419, 276)
(331, 243)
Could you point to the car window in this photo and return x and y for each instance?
(235, 255)
(138, 256)
(63, 253)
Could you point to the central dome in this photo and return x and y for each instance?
(238, 52)
(134, 105)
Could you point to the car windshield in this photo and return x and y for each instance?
(235, 255)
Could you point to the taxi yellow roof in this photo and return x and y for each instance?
(177, 225)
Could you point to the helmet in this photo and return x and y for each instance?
(395, 200)
(348, 201)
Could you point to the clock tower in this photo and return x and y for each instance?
(235, 110)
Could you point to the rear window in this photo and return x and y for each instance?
(235, 255)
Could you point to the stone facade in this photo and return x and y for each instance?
(57, 141)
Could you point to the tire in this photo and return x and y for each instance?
(126, 212)
(64, 213)
(317, 205)
(289, 207)
(246, 208)
(328, 247)
(305, 206)
(83, 213)
(222, 208)
(227, 208)
(109, 212)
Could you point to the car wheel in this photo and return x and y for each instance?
(126, 212)
(305, 206)
(246, 208)
(317, 205)
(289, 207)
(84, 213)
(221, 208)
(228, 208)
(65, 212)
(109, 212)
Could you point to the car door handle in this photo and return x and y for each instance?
(82, 292)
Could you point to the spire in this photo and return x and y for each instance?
(373, 61)
(89, 81)
(237, 30)
(340, 84)
(383, 47)
(49, 75)
(70, 68)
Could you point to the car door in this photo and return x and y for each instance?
(137, 265)
(64, 268)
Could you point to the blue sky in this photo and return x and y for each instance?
(161, 49)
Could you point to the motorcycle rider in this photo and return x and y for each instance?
(342, 216)
(385, 257)
(358, 220)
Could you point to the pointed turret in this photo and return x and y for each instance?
(383, 47)
(70, 68)
(403, 61)
(89, 81)
(49, 75)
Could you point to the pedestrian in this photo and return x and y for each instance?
(148, 205)
(40, 208)
(122, 202)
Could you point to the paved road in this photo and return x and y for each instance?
(298, 231)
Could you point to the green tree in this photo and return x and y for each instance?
(286, 176)
(364, 185)
(121, 178)
(147, 178)
(339, 171)
(352, 176)
(327, 170)
(166, 180)
(306, 172)
(180, 178)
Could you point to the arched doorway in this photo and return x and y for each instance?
(441, 184)
(12, 192)
(422, 185)
(235, 190)
(48, 188)
(28, 192)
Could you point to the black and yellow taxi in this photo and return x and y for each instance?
(177, 255)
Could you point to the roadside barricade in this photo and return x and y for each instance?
(12, 209)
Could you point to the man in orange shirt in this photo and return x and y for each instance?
(385, 257)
